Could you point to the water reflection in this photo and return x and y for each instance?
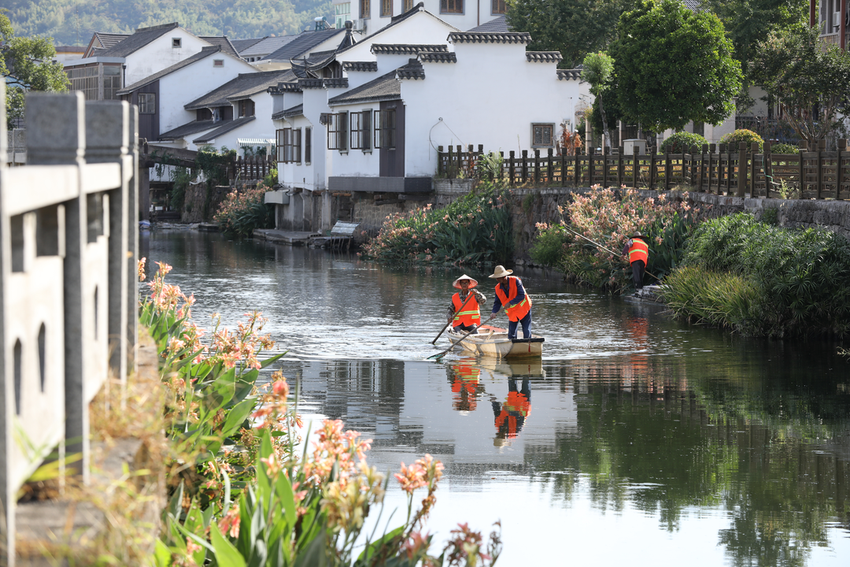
(681, 442)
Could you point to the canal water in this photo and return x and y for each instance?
(636, 440)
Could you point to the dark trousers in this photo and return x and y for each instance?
(638, 269)
(526, 326)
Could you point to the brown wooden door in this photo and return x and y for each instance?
(391, 139)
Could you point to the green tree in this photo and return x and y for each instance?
(808, 77)
(25, 64)
(598, 70)
(673, 66)
(573, 27)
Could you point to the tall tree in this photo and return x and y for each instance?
(810, 80)
(598, 70)
(573, 27)
(673, 66)
(26, 65)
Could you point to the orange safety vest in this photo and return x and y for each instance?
(471, 314)
(517, 406)
(521, 309)
(638, 251)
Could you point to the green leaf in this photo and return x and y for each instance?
(161, 554)
(226, 554)
(374, 547)
(315, 553)
(283, 488)
(236, 416)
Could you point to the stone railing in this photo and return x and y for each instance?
(68, 292)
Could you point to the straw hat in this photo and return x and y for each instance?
(501, 272)
(637, 235)
(472, 281)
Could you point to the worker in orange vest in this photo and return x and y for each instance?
(638, 253)
(465, 377)
(510, 415)
(464, 315)
(511, 294)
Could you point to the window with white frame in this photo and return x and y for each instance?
(338, 131)
(542, 135)
(385, 126)
(361, 130)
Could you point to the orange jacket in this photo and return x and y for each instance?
(514, 411)
(638, 251)
(521, 309)
(471, 314)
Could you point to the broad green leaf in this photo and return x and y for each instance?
(226, 554)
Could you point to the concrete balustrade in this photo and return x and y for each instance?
(68, 295)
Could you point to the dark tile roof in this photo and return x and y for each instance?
(224, 43)
(267, 45)
(225, 127)
(360, 66)
(242, 44)
(138, 40)
(243, 86)
(543, 56)
(497, 25)
(450, 57)
(311, 83)
(385, 87)
(413, 70)
(203, 54)
(569, 74)
(101, 41)
(303, 43)
(478, 37)
(289, 87)
(296, 110)
(406, 48)
(187, 129)
(335, 83)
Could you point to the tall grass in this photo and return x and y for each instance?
(798, 281)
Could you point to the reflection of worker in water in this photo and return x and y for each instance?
(510, 415)
(464, 378)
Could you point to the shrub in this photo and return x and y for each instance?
(802, 276)
(784, 149)
(742, 135)
(475, 229)
(682, 142)
(242, 212)
(596, 227)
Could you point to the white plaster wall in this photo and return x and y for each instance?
(475, 13)
(299, 175)
(315, 103)
(491, 96)
(159, 54)
(356, 163)
(419, 28)
(189, 83)
(262, 127)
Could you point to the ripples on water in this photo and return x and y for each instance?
(645, 442)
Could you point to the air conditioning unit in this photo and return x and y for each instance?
(360, 25)
(836, 20)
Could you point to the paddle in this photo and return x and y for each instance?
(468, 297)
(442, 354)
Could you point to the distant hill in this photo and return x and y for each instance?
(72, 22)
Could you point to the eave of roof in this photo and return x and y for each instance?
(450, 57)
(369, 66)
(569, 74)
(302, 43)
(543, 56)
(385, 87)
(243, 86)
(226, 127)
(407, 48)
(488, 37)
(297, 110)
(187, 129)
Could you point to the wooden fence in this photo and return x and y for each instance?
(68, 291)
(251, 168)
(741, 171)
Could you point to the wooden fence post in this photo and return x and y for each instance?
(512, 169)
(563, 168)
(652, 168)
(550, 166)
(524, 166)
(635, 165)
(440, 169)
(742, 170)
(754, 148)
(577, 169)
(801, 156)
(819, 150)
(668, 169)
(536, 166)
(620, 172)
(480, 157)
(711, 150)
(501, 164)
(591, 170)
(767, 161)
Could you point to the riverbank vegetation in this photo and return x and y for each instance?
(244, 488)
(587, 243)
(473, 230)
(760, 279)
(243, 211)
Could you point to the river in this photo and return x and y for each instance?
(646, 441)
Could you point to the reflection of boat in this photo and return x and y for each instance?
(493, 341)
(530, 367)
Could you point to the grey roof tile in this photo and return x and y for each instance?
(242, 44)
(450, 57)
(224, 43)
(543, 56)
(296, 110)
(267, 45)
(243, 86)
(138, 40)
(187, 129)
(406, 48)
(479, 37)
(412, 70)
(360, 66)
(496, 25)
(569, 74)
(385, 87)
(303, 43)
(225, 127)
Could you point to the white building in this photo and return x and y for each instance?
(370, 16)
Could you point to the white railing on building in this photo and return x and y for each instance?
(68, 292)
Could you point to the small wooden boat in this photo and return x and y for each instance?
(494, 341)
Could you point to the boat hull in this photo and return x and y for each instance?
(492, 341)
